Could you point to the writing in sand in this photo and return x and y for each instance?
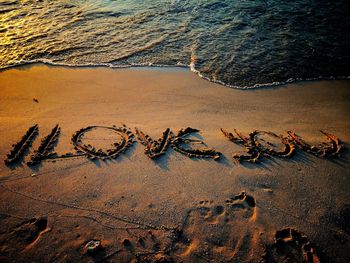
(257, 144)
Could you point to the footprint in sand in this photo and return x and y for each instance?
(24, 236)
(145, 246)
(293, 246)
(220, 232)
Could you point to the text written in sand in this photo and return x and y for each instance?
(258, 145)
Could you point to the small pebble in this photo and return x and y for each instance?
(93, 246)
(268, 190)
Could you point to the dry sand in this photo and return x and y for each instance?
(175, 208)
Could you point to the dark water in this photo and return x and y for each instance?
(241, 43)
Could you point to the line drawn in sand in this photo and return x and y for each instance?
(179, 142)
(19, 149)
(126, 141)
(257, 148)
(155, 148)
(45, 150)
(330, 149)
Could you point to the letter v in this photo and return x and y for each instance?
(154, 148)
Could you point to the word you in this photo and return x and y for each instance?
(255, 145)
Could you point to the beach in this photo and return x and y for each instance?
(174, 208)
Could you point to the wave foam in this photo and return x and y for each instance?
(191, 67)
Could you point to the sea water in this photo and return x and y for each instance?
(239, 43)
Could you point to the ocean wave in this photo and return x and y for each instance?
(239, 44)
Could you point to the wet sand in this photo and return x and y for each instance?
(174, 207)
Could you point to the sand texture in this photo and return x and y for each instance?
(158, 165)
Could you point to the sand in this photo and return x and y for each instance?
(173, 208)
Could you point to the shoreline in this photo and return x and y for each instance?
(172, 207)
(190, 67)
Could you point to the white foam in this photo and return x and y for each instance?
(191, 67)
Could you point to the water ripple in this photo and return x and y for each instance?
(241, 44)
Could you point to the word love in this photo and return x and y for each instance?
(255, 145)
